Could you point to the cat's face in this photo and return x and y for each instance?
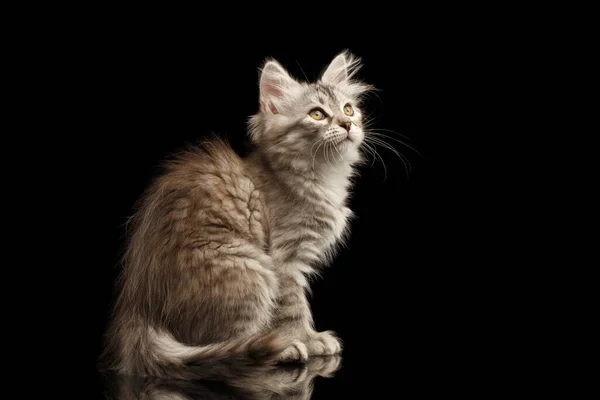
(320, 122)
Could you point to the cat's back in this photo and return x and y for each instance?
(204, 192)
(211, 158)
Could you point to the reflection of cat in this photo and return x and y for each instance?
(293, 382)
(216, 269)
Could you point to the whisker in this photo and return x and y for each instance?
(374, 91)
(339, 154)
(405, 161)
(330, 151)
(367, 147)
(381, 131)
(371, 120)
(368, 119)
(376, 133)
(383, 143)
(371, 117)
(368, 122)
(389, 147)
(325, 152)
(376, 156)
(303, 73)
(382, 163)
(316, 151)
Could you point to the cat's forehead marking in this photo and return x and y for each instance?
(326, 90)
(322, 93)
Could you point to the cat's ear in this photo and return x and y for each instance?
(341, 69)
(275, 85)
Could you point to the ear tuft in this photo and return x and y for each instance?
(341, 69)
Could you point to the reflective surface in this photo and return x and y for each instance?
(282, 382)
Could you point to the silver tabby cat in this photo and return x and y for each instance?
(215, 272)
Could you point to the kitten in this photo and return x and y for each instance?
(215, 272)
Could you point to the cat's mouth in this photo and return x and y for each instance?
(343, 140)
(347, 138)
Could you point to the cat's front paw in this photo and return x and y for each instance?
(296, 352)
(323, 344)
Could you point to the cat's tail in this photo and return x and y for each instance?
(233, 359)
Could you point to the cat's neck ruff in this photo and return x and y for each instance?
(332, 178)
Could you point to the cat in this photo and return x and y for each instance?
(216, 268)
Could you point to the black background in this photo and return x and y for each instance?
(410, 294)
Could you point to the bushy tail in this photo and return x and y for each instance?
(167, 358)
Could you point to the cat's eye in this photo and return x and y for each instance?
(317, 114)
(348, 110)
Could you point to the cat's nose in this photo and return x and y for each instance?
(346, 125)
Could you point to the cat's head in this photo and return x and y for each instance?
(308, 123)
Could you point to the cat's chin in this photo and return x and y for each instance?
(345, 147)
(348, 150)
(349, 144)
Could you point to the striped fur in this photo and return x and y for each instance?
(215, 272)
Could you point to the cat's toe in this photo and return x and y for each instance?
(296, 352)
(324, 344)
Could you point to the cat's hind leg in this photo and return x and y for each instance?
(226, 291)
